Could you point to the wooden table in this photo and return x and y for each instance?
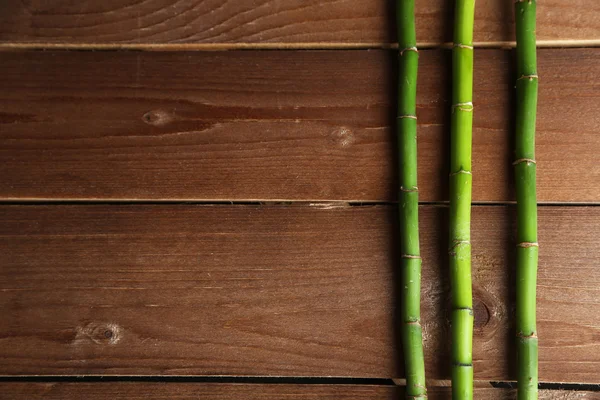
(181, 222)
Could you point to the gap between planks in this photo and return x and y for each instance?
(157, 390)
(10, 46)
(324, 204)
(281, 380)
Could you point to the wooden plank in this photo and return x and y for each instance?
(275, 290)
(195, 391)
(156, 23)
(290, 125)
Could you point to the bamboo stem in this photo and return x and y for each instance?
(525, 172)
(412, 339)
(460, 201)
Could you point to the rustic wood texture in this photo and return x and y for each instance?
(288, 22)
(205, 391)
(275, 290)
(289, 125)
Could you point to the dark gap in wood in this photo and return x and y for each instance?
(273, 380)
(588, 387)
(136, 202)
(42, 47)
(296, 203)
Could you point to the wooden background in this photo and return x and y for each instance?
(180, 222)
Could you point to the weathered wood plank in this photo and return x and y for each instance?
(288, 125)
(284, 22)
(195, 391)
(275, 290)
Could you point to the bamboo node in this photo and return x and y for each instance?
(467, 309)
(465, 365)
(461, 171)
(411, 189)
(524, 160)
(467, 106)
(530, 77)
(451, 250)
(416, 323)
(411, 256)
(406, 116)
(409, 49)
(417, 397)
(462, 46)
(528, 244)
(457, 243)
(523, 336)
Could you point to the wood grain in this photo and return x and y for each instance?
(280, 22)
(204, 391)
(286, 125)
(276, 290)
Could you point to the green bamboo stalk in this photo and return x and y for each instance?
(525, 171)
(460, 201)
(412, 339)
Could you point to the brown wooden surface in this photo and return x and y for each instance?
(291, 125)
(204, 391)
(275, 290)
(291, 22)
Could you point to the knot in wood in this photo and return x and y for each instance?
(99, 333)
(157, 117)
(481, 313)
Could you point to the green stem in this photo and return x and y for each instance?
(460, 201)
(525, 171)
(412, 340)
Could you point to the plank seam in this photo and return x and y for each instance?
(8, 46)
(324, 204)
(275, 380)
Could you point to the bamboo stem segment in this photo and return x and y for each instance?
(411, 332)
(525, 175)
(460, 201)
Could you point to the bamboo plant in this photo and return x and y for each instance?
(412, 341)
(460, 201)
(525, 171)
